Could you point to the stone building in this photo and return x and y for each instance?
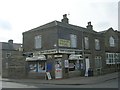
(12, 61)
(67, 50)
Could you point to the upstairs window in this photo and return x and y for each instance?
(86, 42)
(97, 44)
(112, 41)
(38, 41)
(73, 40)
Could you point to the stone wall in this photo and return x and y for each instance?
(17, 67)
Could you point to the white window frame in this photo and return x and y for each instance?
(111, 58)
(38, 42)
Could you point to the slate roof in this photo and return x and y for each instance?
(5, 46)
(61, 24)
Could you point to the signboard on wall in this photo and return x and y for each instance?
(64, 43)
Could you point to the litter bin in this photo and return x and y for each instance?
(90, 72)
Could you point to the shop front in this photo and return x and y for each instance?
(75, 65)
(36, 66)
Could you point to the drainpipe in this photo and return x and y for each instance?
(83, 53)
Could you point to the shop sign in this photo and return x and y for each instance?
(34, 58)
(58, 73)
(64, 43)
(57, 55)
(48, 75)
(75, 57)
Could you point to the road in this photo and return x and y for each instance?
(107, 84)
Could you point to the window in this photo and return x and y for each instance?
(86, 42)
(98, 62)
(97, 44)
(74, 65)
(8, 55)
(112, 42)
(38, 41)
(37, 66)
(73, 39)
(112, 58)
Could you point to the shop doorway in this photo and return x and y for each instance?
(58, 68)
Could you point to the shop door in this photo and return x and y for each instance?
(58, 69)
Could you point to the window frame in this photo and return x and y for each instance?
(98, 62)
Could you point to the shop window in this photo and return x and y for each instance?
(74, 65)
(37, 66)
(41, 67)
(32, 67)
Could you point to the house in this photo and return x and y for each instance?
(112, 49)
(12, 62)
(65, 50)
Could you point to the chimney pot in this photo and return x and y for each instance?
(65, 19)
(89, 26)
(10, 41)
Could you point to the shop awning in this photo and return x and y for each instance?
(36, 58)
(75, 57)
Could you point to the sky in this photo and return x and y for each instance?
(18, 16)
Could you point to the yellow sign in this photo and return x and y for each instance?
(64, 43)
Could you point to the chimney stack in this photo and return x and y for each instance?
(65, 19)
(10, 42)
(89, 26)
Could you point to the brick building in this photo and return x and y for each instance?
(66, 50)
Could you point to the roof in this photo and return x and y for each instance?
(61, 24)
(107, 30)
(6, 46)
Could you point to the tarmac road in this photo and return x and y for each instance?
(107, 84)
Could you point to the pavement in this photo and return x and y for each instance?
(69, 81)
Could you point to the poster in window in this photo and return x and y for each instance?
(33, 67)
(66, 63)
